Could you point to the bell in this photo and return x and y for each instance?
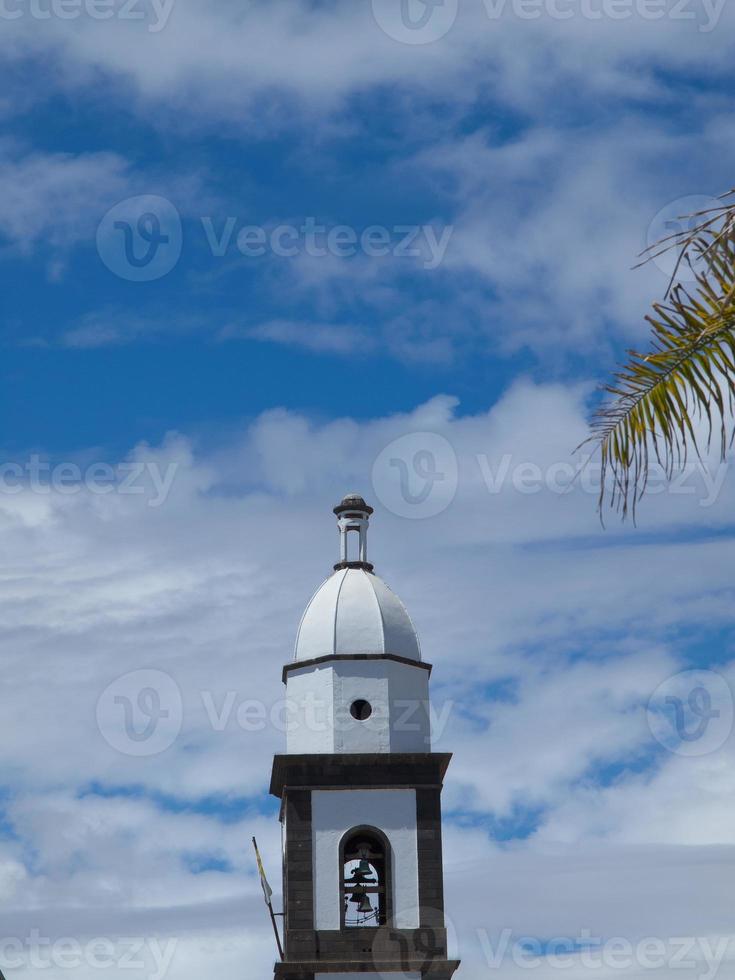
(365, 905)
(360, 877)
(365, 868)
(358, 894)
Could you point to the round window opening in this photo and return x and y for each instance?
(361, 710)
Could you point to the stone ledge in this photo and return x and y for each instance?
(331, 657)
(305, 969)
(374, 770)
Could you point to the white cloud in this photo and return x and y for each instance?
(330, 338)
(57, 198)
(240, 62)
(549, 212)
(55, 201)
(519, 589)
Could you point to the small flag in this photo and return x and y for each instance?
(267, 890)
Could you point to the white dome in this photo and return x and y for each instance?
(354, 612)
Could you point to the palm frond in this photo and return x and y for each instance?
(657, 399)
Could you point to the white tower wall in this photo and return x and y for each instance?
(319, 698)
(334, 812)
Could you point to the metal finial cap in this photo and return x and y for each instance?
(353, 501)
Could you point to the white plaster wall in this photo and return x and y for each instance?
(370, 680)
(410, 729)
(393, 811)
(310, 707)
(319, 699)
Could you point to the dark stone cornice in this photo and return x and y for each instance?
(329, 657)
(306, 969)
(351, 770)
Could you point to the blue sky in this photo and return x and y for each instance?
(226, 403)
(176, 369)
(392, 153)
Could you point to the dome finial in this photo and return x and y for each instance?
(353, 514)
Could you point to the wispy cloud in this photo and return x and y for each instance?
(331, 338)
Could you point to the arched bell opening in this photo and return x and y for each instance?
(365, 880)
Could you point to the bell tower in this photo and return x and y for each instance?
(359, 786)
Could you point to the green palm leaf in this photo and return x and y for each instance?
(657, 398)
